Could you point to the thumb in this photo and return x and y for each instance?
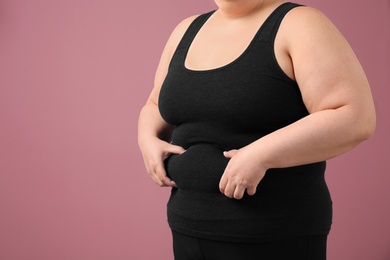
(175, 149)
(230, 154)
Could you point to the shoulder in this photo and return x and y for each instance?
(304, 21)
(183, 25)
(306, 15)
(178, 32)
(307, 31)
(167, 54)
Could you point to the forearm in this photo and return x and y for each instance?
(317, 137)
(151, 124)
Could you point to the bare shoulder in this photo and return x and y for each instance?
(306, 22)
(307, 16)
(178, 32)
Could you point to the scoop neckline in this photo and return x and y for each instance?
(239, 57)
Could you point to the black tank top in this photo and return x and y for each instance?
(227, 108)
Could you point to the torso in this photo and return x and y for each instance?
(220, 99)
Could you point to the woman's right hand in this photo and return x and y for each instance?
(154, 152)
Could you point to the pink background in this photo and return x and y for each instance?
(74, 75)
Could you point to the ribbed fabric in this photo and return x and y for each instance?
(227, 108)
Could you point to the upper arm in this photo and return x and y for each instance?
(166, 57)
(326, 69)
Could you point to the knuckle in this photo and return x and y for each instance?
(245, 184)
(155, 161)
(240, 182)
(150, 171)
(165, 155)
(162, 181)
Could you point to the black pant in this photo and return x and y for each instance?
(298, 248)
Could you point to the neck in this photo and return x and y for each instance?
(239, 8)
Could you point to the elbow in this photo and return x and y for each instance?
(366, 127)
(369, 129)
(360, 119)
(366, 132)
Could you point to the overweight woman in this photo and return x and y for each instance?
(249, 102)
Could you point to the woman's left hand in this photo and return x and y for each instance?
(243, 172)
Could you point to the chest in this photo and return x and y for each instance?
(216, 47)
(248, 93)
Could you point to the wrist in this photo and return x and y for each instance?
(259, 155)
(146, 139)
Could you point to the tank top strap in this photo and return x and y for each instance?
(272, 23)
(193, 29)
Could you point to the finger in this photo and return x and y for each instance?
(251, 190)
(230, 154)
(175, 149)
(222, 183)
(229, 190)
(161, 176)
(151, 174)
(169, 183)
(157, 180)
(172, 149)
(239, 192)
(150, 169)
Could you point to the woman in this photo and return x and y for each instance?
(249, 102)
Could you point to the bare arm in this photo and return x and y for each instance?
(154, 133)
(336, 93)
(334, 89)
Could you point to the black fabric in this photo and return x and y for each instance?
(300, 248)
(227, 108)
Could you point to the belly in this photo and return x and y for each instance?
(199, 169)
